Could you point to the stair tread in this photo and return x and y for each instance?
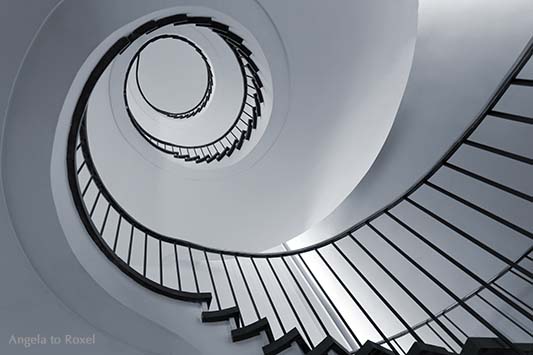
(427, 349)
(328, 344)
(492, 346)
(370, 348)
(221, 315)
(252, 330)
(285, 342)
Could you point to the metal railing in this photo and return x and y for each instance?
(249, 112)
(459, 262)
(135, 62)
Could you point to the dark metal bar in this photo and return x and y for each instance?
(458, 265)
(522, 277)
(290, 303)
(87, 186)
(440, 337)
(443, 287)
(212, 280)
(78, 128)
(331, 302)
(160, 263)
(398, 346)
(247, 288)
(357, 303)
(177, 266)
(95, 203)
(145, 255)
(231, 288)
(131, 242)
(406, 290)
(81, 167)
(117, 233)
(490, 182)
(105, 219)
(305, 297)
(530, 334)
(511, 117)
(481, 210)
(194, 271)
(518, 300)
(501, 152)
(377, 293)
(269, 297)
(469, 237)
(455, 325)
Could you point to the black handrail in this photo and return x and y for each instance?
(79, 162)
(245, 122)
(209, 85)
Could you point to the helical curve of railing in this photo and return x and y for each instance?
(254, 287)
(250, 111)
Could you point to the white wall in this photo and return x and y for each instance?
(464, 49)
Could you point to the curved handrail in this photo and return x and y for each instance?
(233, 138)
(295, 260)
(208, 89)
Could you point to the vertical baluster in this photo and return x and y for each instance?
(95, 203)
(440, 337)
(330, 302)
(194, 271)
(516, 299)
(269, 297)
(290, 303)
(455, 325)
(356, 301)
(406, 290)
(81, 167)
(145, 255)
(377, 293)
(398, 346)
(177, 266)
(458, 264)
(212, 280)
(469, 237)
(443, 287)
(105, 220)
(117, 233)
(247, 288)
(160, 263)
(232, 289)
(131, 242)
(87, 186)
(506, 316)
(313, 310)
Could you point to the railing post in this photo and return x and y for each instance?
(325, 304)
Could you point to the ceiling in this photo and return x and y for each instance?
(337, 82)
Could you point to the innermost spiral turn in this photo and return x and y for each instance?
(173, 76)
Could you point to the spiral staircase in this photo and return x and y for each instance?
(445, 268)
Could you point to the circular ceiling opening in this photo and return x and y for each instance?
(173, 75)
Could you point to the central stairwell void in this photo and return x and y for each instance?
(368, 290)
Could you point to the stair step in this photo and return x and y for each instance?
(426, 349)
(285, 342)
(370, 348)
(221, 315)
(493, 346)
(327, 345)
(252, 330)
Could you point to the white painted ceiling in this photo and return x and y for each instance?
(338, 79)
